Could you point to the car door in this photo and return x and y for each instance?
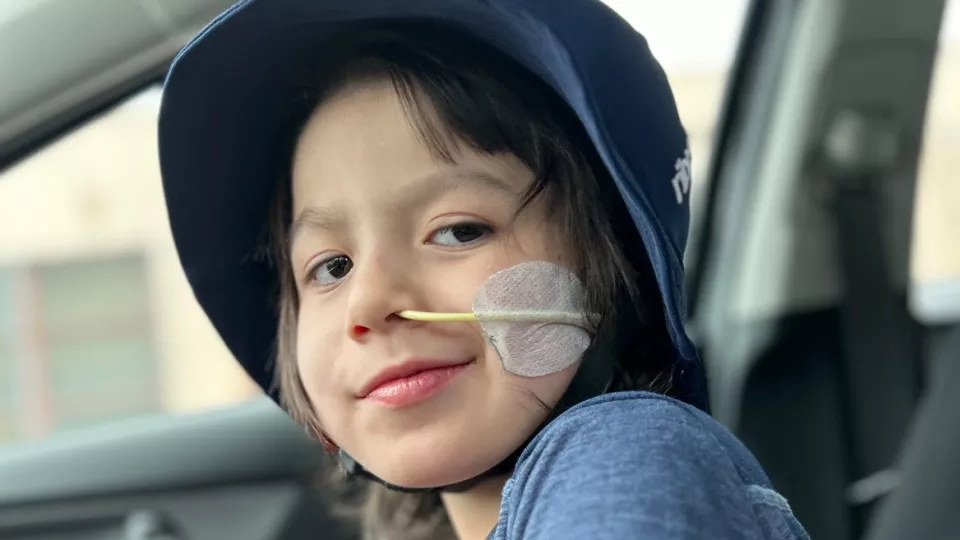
(245, 472)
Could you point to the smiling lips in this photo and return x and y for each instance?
(411, 382)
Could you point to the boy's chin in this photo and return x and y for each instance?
(431, 470)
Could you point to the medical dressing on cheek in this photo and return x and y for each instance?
(533, 314)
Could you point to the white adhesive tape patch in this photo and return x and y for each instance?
(534, 349)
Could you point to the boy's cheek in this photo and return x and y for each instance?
(328, 398)
(548, 388)
(317, 347)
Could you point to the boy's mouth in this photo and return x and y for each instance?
(413, 381)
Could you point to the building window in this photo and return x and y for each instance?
(75, 346)
(9, 390)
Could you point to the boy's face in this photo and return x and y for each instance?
(381, 226)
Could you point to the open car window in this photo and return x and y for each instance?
(97, 322)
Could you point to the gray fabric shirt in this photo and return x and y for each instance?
(640, 465)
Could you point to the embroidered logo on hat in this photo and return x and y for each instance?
(681, 180)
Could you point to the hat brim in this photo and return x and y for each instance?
(228, 95)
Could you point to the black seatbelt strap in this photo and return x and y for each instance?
(881, 353)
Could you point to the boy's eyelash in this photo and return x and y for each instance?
(477, 224)
(485, 227)
(311, 273)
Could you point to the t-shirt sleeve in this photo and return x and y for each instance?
(638, 468)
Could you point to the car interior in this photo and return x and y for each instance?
(836, 367)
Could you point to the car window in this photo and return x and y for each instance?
(97, 322)
(935, 264)
(697, 54)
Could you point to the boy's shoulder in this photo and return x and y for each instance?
(634, 464)
(650, 425)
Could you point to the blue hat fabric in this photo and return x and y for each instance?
(226, 98)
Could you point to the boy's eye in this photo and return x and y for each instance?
(331, 270)
(459, 234)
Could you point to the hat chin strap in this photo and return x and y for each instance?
(592, 379)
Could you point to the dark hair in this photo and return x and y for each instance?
(457, 91)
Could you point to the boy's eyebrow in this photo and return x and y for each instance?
(443, 182)
(317, 217)
(430, 187)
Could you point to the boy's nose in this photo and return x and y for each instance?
(378, 292)
(358, 331)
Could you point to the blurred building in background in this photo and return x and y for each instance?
(97, 321)
(96, 318)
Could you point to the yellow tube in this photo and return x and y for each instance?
(500, 316)
(437, 317)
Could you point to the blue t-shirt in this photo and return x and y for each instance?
(640, 465)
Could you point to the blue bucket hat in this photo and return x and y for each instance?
(228, 92)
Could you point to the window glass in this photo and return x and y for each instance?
(97, 321)
(9, 425)
(97, 341)
(935, 263)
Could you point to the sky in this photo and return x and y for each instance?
(687, 33)
(704, 33)
(950, 32)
